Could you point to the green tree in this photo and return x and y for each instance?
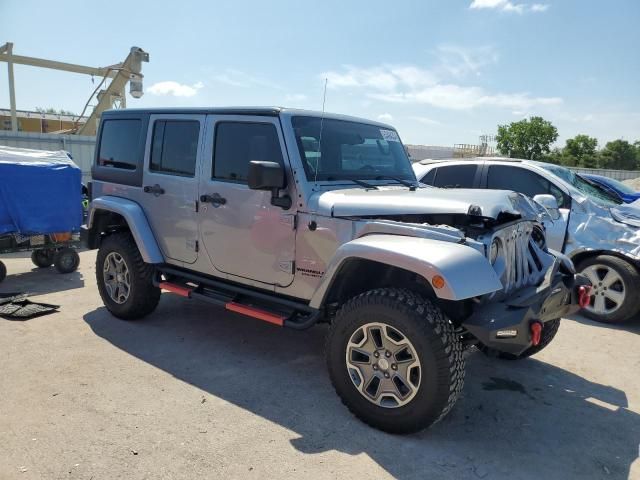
(54, 111)
(620, 155)
(529, 138)
(583, 149)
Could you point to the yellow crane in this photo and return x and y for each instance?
(113, 96)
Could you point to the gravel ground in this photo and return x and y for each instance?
(633, 183)
(196, 392)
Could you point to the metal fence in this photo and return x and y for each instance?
(606, 172)
(80, 147)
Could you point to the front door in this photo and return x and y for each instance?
(530, 183)
(242, 233)
(171, 185)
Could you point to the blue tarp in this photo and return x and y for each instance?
(40, 192)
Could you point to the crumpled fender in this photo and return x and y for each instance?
(466, 272)
(136, 220)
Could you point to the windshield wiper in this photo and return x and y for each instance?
(362, 183)
(412, 186)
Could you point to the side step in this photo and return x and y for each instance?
(243, 303)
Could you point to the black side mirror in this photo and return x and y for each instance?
(269, 176)
(265, 175)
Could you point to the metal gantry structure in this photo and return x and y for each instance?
(113, 96)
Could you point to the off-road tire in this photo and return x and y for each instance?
(66, 260)
(631, 279)
(437, 347)
(3, 271)
(42, 258)
(549, 330)
(143, 295)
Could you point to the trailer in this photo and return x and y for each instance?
(41, 207)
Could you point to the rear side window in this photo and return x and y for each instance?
(236, 144)
(455, 176)
(521, 180)
(119, 144)
(174, 148)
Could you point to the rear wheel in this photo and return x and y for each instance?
(3, 271)
(615, 284)
(42, 258)
(125, 282)
(66, 260)
(395, 360)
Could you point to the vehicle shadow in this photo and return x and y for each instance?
(40, 281)
(523, 419)
(632, 325)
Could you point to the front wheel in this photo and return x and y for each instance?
(125, 282)
(66, 260)
(42, 258)
(615, 284)
(395, 360)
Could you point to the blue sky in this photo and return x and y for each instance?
(442, 72)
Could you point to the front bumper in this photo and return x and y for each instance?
(506, 325)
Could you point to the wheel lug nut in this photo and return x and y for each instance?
(376, 354)
(394, 366)
(375, 367)
(387, 354)
(386, 375)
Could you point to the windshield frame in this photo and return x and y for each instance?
(397, 153)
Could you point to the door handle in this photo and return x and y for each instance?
(214, 199)
(155, 189)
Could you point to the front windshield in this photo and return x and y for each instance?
(350, 151)
(594, 193)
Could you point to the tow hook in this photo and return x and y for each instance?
(536, 333)
(584, 296)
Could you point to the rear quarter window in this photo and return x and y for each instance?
(119, 144)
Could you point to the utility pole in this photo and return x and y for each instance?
(8, 49)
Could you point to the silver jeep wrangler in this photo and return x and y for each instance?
(295, 218)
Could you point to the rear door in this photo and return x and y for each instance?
(170, 183)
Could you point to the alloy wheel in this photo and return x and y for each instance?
(116, 277)
(383, 365)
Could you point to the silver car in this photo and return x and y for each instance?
(587, 224)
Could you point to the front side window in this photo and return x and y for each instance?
(503, 177)
(238, 143)
(174, 147)
(598, 195)
(455, 176)
(119, 143)
(343, 150)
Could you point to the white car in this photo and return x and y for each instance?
(599, 234)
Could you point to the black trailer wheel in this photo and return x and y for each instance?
(125, 282)
(3, 271)
(395, 360)
(549, 330)
(66, 260)
(42, 258)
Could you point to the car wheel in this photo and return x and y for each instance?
(66, 260)
(3, 271)
(125, 282)
(615, 284)
(395, 360)
(42, 258)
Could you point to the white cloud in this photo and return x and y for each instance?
(461, 61)
(385, 117)
(539, 7)
(174, 89)
(410, 84)
(507, 6)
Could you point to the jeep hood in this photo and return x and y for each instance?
(392, 200)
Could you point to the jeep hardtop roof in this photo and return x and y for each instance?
(256, 111)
